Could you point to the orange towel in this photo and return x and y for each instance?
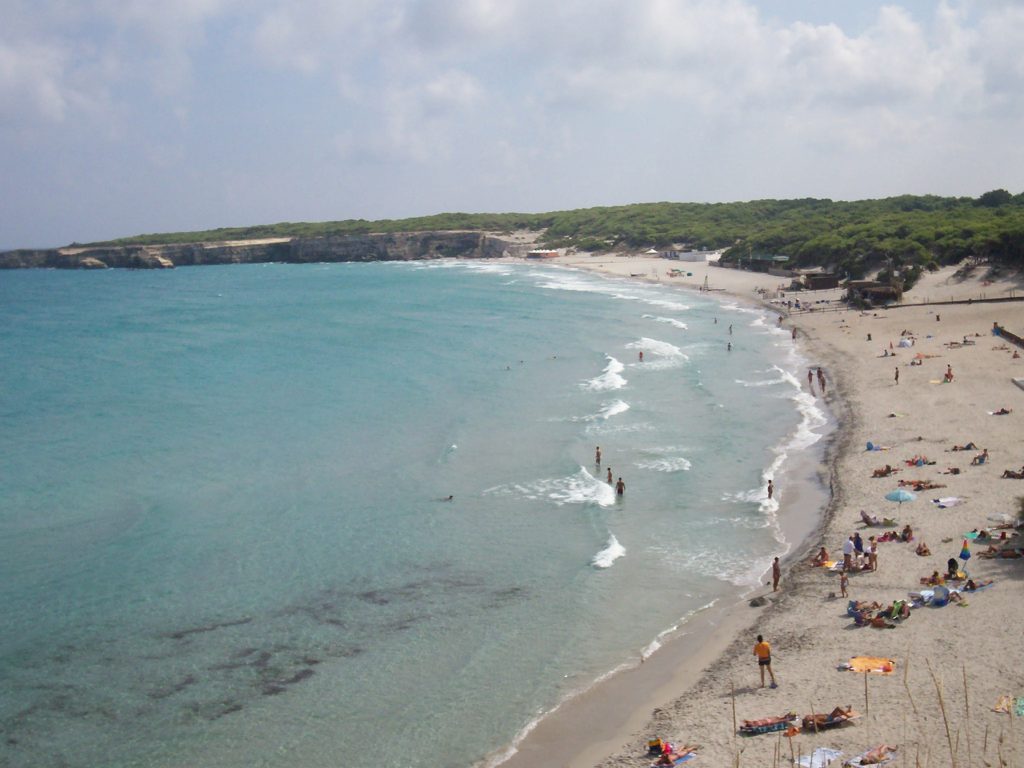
(872, 664)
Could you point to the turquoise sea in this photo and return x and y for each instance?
(225, 537)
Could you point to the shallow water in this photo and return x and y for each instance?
(223, 533)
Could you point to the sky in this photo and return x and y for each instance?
(122, 117)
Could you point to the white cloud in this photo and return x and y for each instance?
(32, 78)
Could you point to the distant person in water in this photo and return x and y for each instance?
(641, 356)
(821, 380)
(771, 489)
(776, 574)
(610, 481)
(620, 487)
(728, 347)
(597, 456)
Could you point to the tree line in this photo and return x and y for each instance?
(904, 234)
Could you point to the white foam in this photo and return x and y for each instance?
(666, 355)
(674, 306)
(612, 551)
(580, 488)
(609, 379)
(668, 320)
(780, 379)
(665, 464)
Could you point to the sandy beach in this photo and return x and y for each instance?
(950, 666)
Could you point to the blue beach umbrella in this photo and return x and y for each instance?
(900, 495)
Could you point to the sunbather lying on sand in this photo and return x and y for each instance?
(994, 551)
(837, 714)
(970, 446)
(1014, 475)
(972, 585)
(1002, 412)
(769, 720)
(920, 485)
(918, 461)
(981, 458)
(884, 471)
(934, 580)
(670, 757)
(876, 755)
(922, 550)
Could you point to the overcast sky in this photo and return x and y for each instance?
(120, 117)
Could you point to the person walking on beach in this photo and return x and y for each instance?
(821, 381)
(620, 487)
(763, 652)
(897, 376)
(597, 456)
(771, 489)
(810, 380)
(776, 574)
(872, 554)
(844, 582)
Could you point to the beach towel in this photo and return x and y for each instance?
(874, 664)
(819, 758)
(947, 501)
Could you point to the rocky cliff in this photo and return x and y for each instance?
(374, 247)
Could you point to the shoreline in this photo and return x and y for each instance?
(692, 682)
(623, 700)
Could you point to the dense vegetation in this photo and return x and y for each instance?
(904, 234)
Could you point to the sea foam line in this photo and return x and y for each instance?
(612, 551)
(580, 488)
(669, 321)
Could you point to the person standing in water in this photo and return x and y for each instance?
(597, 456)
(821, 381)
(771, 489)
(620, 487)
(610, 481)
(776, 574)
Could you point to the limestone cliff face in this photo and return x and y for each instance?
(402, 246)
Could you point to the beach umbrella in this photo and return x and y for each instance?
(900, 495)
(965, 553)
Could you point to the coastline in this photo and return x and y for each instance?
(622, 701)
(685, 692)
